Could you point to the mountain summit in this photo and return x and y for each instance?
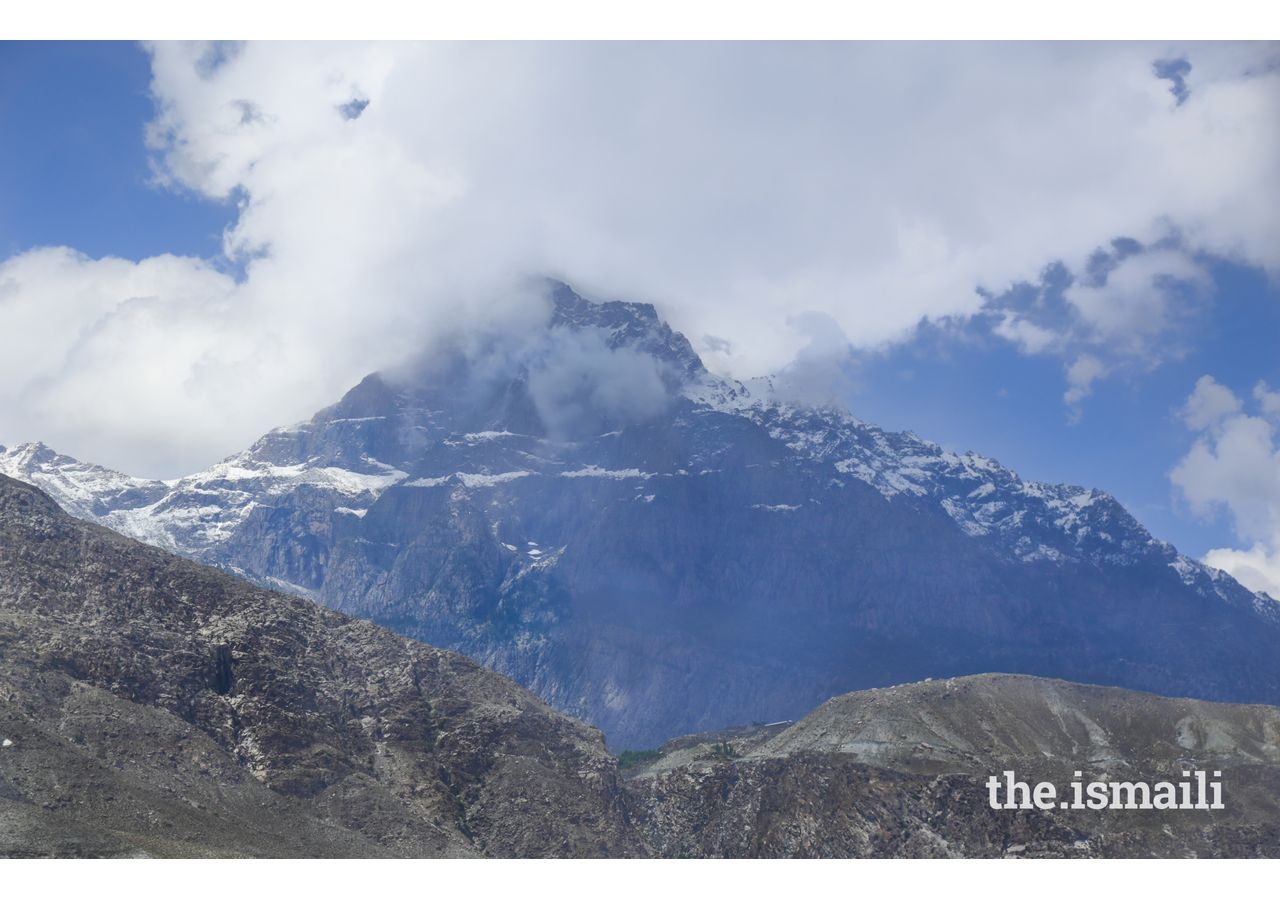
(662, 551)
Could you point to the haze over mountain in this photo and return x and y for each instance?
(662, 551)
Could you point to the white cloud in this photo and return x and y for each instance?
(1235, 465)
(1125, 311)
(1257, 568)
(1133, 303)
(1027, 335)
(1209, 404)
(581, 386)
(1268, 400)
(738, 186)
(1081, 375)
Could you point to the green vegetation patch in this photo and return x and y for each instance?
(629, 759)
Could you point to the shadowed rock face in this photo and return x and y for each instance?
(901, 772)
(155, 706)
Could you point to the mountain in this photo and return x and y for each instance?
(156, 706)
(661, 551)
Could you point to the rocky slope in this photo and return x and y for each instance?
(149, 705)
(901, 772)
(660, 551)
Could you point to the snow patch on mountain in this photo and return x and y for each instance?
(597, 472)
(468, 479)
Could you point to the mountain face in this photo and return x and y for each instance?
(152, 705)
(660, 551)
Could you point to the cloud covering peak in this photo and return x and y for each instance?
(389, 194)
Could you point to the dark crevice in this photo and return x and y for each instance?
(223, 677)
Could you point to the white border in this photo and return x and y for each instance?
(628, 880)
(672, 19)
(666, 19)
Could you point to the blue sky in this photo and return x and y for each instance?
(714, 181)
(73, 164)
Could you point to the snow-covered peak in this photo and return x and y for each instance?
(380, 436)
(83, 489)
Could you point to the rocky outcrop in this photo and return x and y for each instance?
(901, 772)
(151, 705)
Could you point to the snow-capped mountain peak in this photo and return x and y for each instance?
(727, 555)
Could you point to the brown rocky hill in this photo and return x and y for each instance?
(156, 706)
(901, 772)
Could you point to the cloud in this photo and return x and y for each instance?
(1268, 400)
(390, 193)
(1209, 404)
(1127, 309)
(1257, 568)
(1027, 335)
(1234, 465)
(820, 374)
(1081, 375)
(107, 350)
(581, 386)
(1134, 301)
